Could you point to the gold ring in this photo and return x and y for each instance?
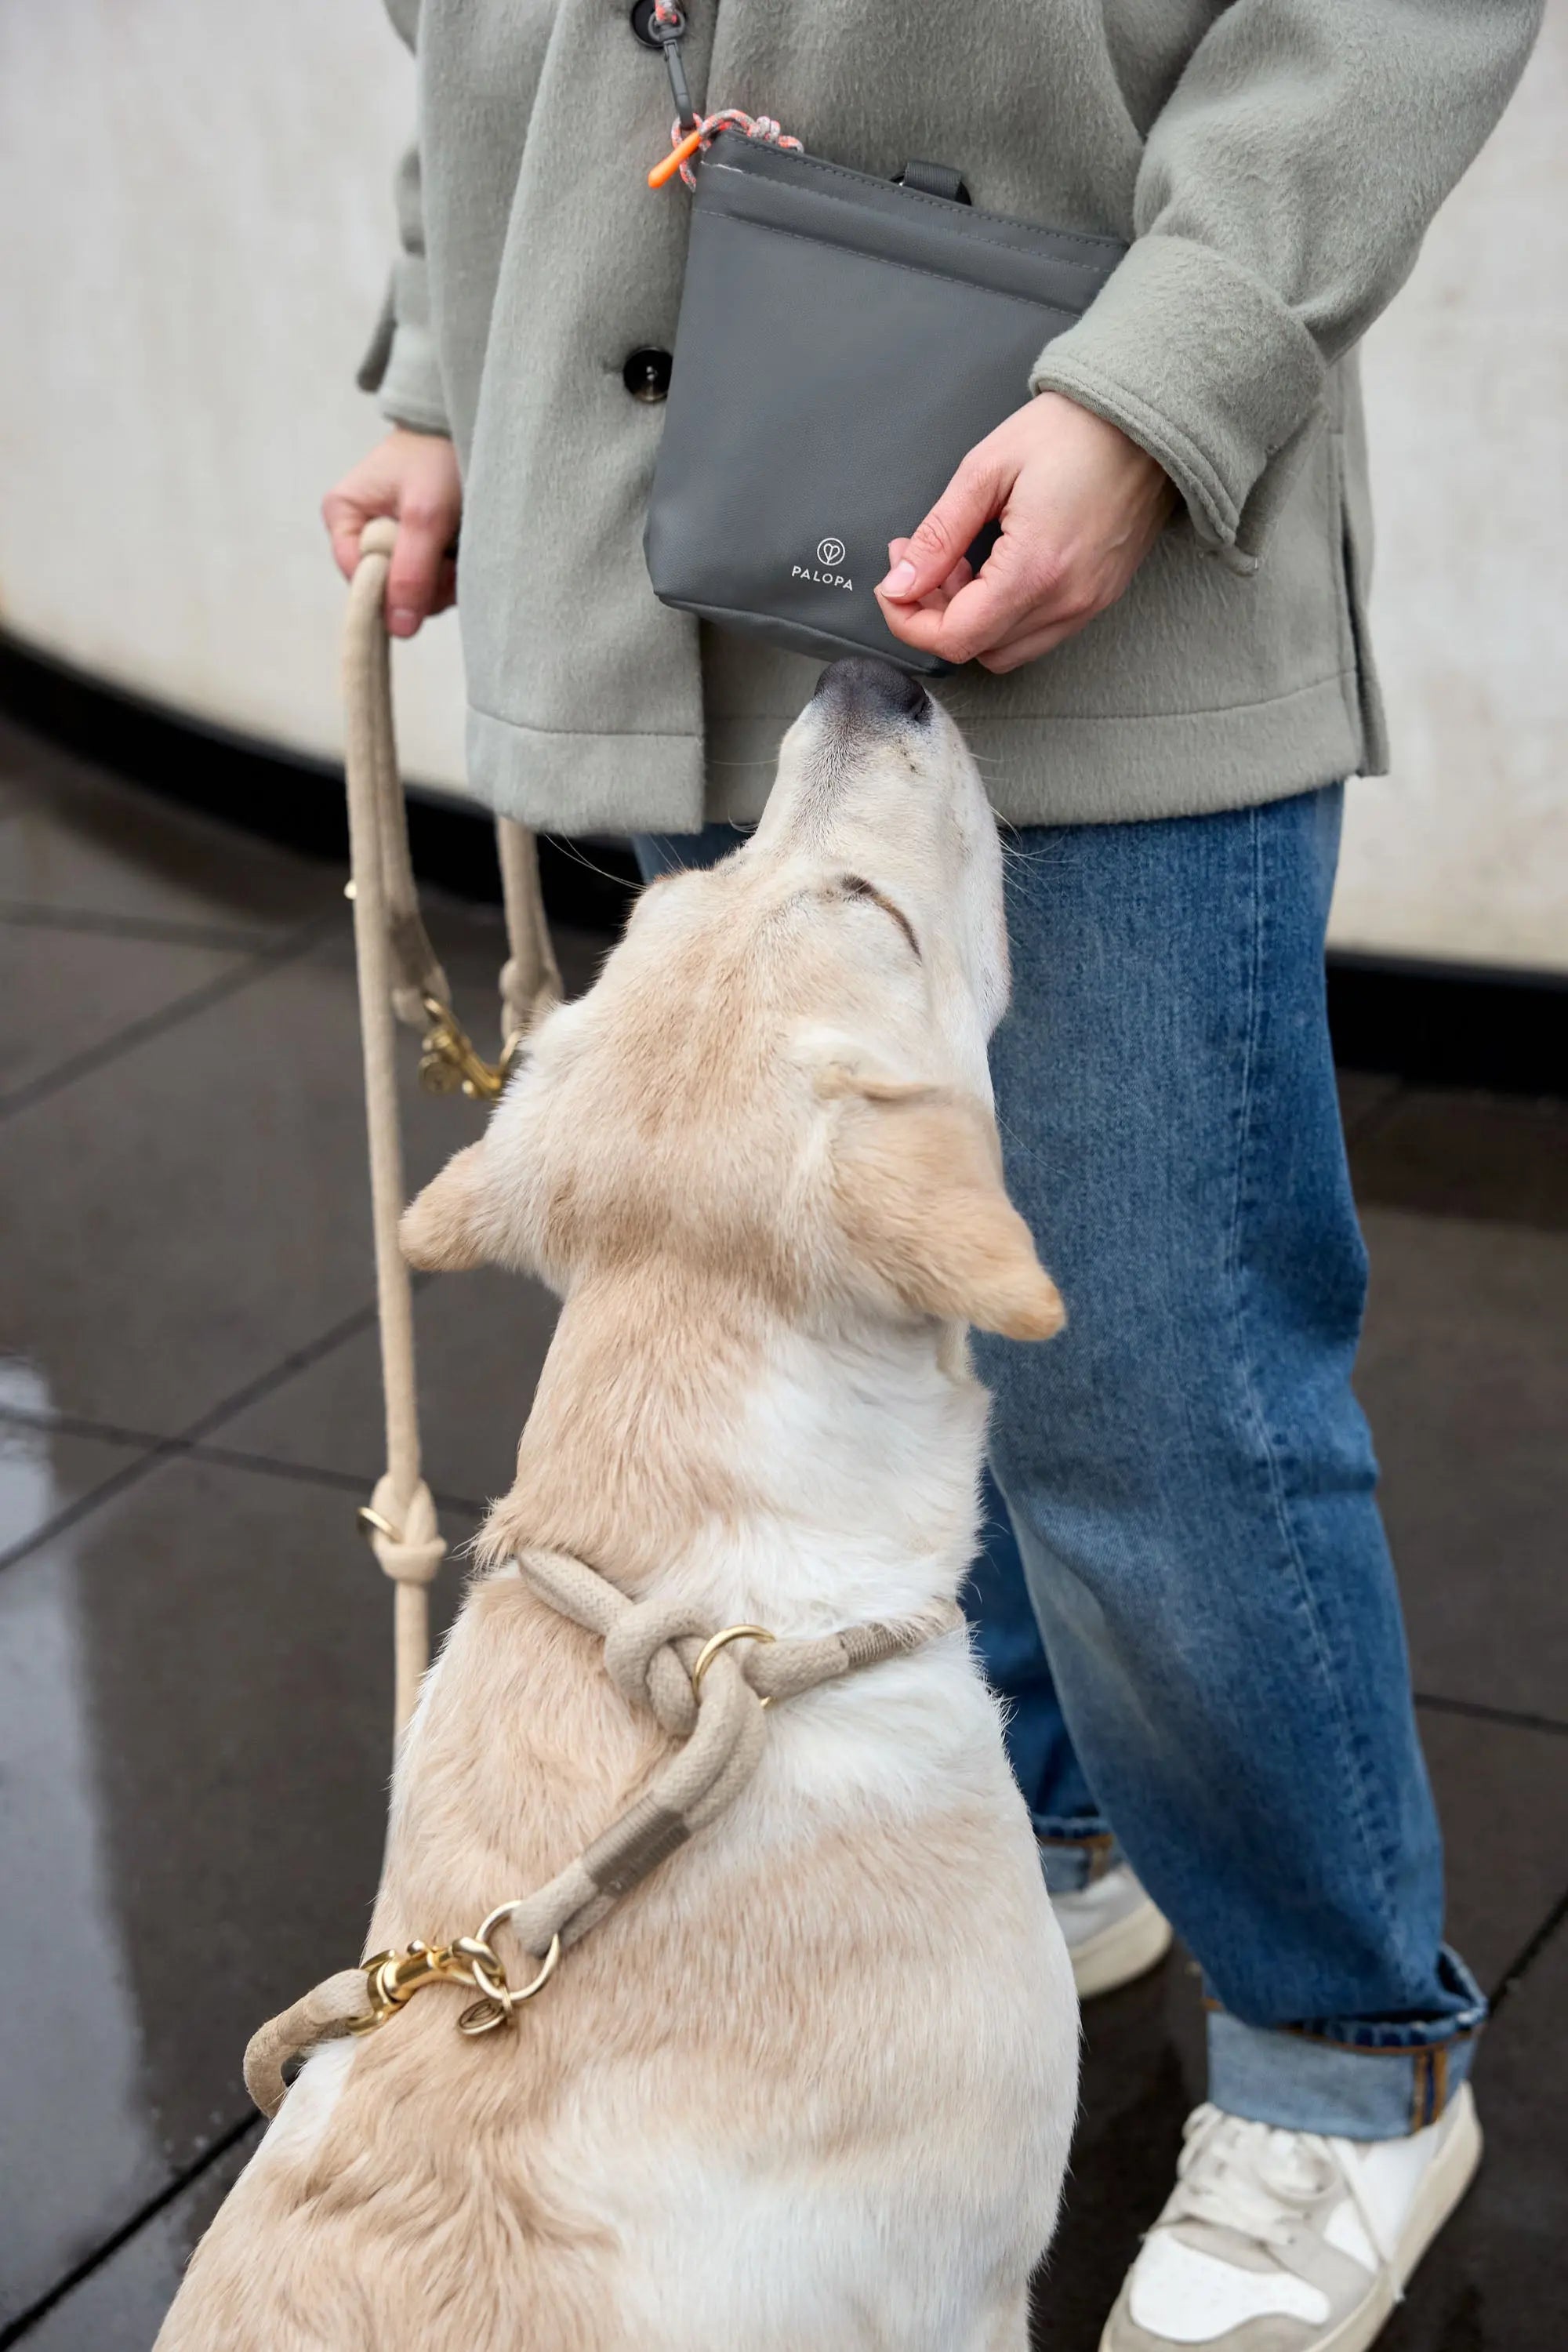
(717, 1642)
(371, 1522)
(500, 2008)
(547, 1967)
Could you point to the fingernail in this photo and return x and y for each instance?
(899, 580)
(403, 622)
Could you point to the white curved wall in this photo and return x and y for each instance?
(1463, 851)
(196, 196)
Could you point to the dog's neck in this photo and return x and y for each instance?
(688, 1440)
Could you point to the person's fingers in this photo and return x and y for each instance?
(413, 478)
(915, 625)
(997, 603)
(973, 497)
(961, 575)
(429, 506)
(963, 571)
(424, 535)
(1010, 601)
(345, 518)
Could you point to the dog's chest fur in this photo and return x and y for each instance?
(822, 2064)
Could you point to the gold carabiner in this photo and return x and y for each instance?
(448, 1057)
(392, 1979)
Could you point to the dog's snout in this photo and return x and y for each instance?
(865, 687)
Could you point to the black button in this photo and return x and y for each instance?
(642, 25)
(646, 375)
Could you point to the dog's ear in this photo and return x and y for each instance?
(445, 1229)
(921, 1200)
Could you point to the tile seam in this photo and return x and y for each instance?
(1480, 1711)
(188, 1440)
(149, 2210)
(155, 1024)
(223, 1457)
(27, 915)
(1531, 1950)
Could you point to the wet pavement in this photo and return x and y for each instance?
(195, 1654)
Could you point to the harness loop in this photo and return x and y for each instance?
(694, 1687)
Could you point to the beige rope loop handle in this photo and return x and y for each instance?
(401, 979)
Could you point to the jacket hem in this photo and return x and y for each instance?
(1109, 771)
(568, 783)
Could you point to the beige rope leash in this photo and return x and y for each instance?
(655, 1654)
(400, 977)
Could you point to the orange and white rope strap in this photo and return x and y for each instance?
(691, 134)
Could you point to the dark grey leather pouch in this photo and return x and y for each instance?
(843, 341)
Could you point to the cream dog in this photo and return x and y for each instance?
(810, 2086)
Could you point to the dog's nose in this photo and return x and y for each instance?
(865, 687)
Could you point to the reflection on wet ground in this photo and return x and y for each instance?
(194, 1677)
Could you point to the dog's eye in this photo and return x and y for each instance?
(855, 886)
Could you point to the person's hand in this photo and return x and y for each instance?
(1080, 506)
(413, 478)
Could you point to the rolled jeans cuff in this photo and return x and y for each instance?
(1356, 2078)
(1074, 1853)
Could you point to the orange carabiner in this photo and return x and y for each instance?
(668, 166)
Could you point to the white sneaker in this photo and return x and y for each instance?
(1289, 2241)
(1113, 1932)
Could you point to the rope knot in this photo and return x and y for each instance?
(642, 1661)
(404, 1538)
(759, 127)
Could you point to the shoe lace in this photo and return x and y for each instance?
(1258, 2181)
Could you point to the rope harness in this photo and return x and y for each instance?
(657, 1656)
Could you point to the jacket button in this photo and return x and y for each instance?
(642, 24)
(646, 375)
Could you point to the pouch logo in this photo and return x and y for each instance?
(827, 572)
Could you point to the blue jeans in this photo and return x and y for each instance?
(1190, 1535)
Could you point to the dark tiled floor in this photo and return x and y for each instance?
(194, 1667)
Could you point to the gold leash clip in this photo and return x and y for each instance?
(392, 1979)
(448, 1057)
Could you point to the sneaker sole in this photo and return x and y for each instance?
(1448, 2176)
(1129, 1948)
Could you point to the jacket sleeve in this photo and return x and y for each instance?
(401, 365)
(1280, 202)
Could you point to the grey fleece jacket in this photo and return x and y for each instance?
(1273, 165)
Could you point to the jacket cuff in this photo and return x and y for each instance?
(400, 363)
(1200, 362)
(410, 391)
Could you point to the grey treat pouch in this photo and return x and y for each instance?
(843, 341)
